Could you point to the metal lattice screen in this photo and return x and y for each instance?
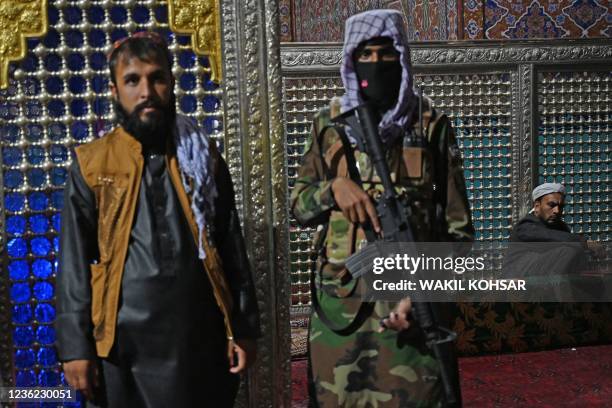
(575, 145)
(57, 98)
(303, 98)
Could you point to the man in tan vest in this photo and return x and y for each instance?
(156, 305)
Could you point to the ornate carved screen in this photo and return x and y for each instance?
(57, 98)
(519, 120)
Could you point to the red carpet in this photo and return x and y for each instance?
(580, 377)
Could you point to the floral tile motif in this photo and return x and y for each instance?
(493, 14)
(535, 23)
(585, 13)
(286, 29)
(570, 18)
(473, 18)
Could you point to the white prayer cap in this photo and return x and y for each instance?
(547, 188)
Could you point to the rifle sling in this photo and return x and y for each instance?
(365, 308)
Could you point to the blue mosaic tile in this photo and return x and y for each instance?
(41, 268)
(118, 34)
(45, 334)
(44, 312)
(186, 59)
(11, 156)
(211, 103)
(74, 38)
(97, 38)
(57, 131)
(118, 15)
(161, 14)
(15, 225)
(188, 104)
(40, 246)
(187, 81)
(17, 247)
(20, 292)
(30, 63)
(14, 201)
(33, 109)
(18, 270)
(53, 15)
(47, 356)
(59, 176)
(140, 15)
(54, 85)
(9, 133)
(24, 358)
(78, 85)
(37, 177)
(95, 14)
(13, 179)
(97, 61)
(38, 201)
(9, 110)
(25, 378)
(22, 314)
(76, 61)
(56, 108)
(99, 83)
(79, 130)
(72, 15)
(56, 220)
(59, 154)
(23, 336)
(209, 84)
(57, 200)
(101, 106)
(43, 291)
(34, 133)
(31, 86)
(48, 378)
(53, 62)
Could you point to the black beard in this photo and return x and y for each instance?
(153, 134)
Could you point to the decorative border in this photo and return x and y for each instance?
(329, 56)
(256, 151)
(527, 144)
(6, 337)
(193, 17)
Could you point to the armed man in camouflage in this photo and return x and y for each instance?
(376, 365)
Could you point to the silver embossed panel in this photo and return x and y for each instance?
(479, 106)
(303, 97)
(574, 145)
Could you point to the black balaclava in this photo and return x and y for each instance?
(154, 134)
(379, 81)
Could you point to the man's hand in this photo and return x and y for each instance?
(398, 318)
(241, 354)
(82, 375)
(354, 203)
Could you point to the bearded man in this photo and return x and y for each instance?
(156, 304)
(541, 243)
(376, 357)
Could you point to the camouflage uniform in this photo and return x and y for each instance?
(368, 369)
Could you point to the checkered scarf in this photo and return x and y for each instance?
(196, 165)
(365, 26)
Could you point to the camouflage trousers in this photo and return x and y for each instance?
(369, 369)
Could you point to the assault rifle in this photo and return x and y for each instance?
(395, 228)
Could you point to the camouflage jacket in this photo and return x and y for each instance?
(435, 216)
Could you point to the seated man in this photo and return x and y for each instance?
(544, 224)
